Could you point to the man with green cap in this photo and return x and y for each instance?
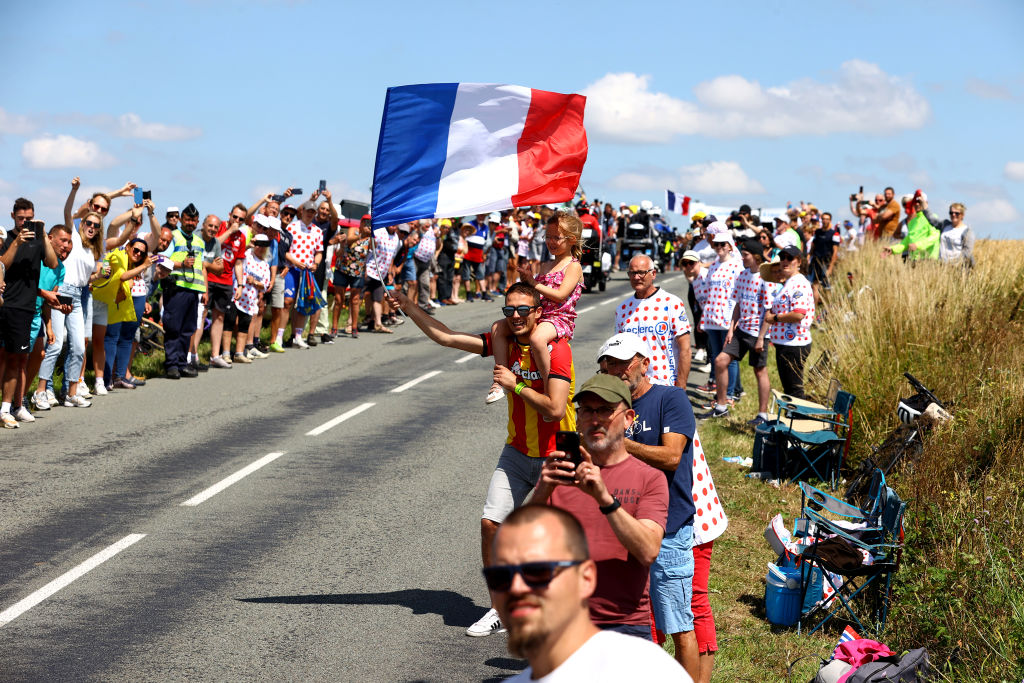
(621, 502)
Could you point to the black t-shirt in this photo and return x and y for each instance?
(22, 276)
(330, 229)
(824, 240)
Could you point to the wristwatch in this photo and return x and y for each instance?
(611, 507)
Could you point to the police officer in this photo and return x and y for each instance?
(182, 290)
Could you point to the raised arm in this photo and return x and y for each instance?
(70, 203)
(131, 228)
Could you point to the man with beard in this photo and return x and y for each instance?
(621, 502)
(182, 290)
(540, 582)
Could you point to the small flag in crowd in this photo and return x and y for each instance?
(675, 202)
(454, 149)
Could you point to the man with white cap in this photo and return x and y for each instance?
(719, 299)
(663, 435)
(659, 318)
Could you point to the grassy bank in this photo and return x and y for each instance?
(960, 591)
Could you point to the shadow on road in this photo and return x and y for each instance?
(455, 609)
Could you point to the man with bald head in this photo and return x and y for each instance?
(540, 580)
(659, 318)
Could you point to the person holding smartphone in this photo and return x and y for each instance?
(47, 300)
(23, 253)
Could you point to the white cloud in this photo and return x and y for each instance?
(992, 211)
(11, 124)
(131, 126)
(1014, 170)
(711, 178)
(986, 90)
(862, 98)
(64, 151)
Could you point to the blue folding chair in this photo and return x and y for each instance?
(817, 452)
(865, 595)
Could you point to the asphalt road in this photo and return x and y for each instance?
(345, 553)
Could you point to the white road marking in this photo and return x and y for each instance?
(468, 357)
(338, 420)
(25, 604)
(584, 310)
(234, 478)
(414, 382)
(607, 301)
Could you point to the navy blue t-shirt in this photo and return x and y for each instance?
(667, 409)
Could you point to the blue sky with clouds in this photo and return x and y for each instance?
(764, 103)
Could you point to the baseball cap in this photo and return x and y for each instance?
(782, 219)
(725, 236)
(690, 255)
(268, 222)
(309, 205)
(173, 209)
(494, 218)
(289, 209)
(697, 216)
(716, 227)
(752, 245)
(607, 388)
(404, 227)
(261, 240)
(624, 346)
(792, 250)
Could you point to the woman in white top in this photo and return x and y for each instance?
(956, 243)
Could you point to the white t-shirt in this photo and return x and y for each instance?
(796, 295)
(754, 298)
(718, 292)
(658, 320)
(80, 263)
(705, 251)
(386, 247)
(613, 657)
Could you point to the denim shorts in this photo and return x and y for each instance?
(672, 583)
(513, 479)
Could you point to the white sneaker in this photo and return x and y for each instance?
(51, 398)
(256, 354)
(495, 395)
(219, 362)
(76, 401)
(40, 401)
(8, 421)
(700, 356)
(100, 389)
(22, 415)
(300, 342)
(486, 625)
(83, 390)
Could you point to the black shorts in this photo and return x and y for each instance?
(817, 272)
(375, 289)
(16, 329)
(741, 344)
(219, 298)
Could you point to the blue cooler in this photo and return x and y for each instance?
(782, 598)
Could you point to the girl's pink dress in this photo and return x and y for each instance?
(561, 315)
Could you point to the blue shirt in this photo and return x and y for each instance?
(49, 280)
(661, 410)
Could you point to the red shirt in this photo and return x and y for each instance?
(622, 595)
(232, 249)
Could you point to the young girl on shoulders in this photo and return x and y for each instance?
(560, 284)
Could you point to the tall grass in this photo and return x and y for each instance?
(960, 591)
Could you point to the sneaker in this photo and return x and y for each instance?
(326, 339)
(700, 356)
(300, 343)
(171, 373)
(706, 368)
(495, 395)
(83, 390)
(486, 625)
(242, 358)
(288, 343)
(40, 401)
(120, 383)
(276, 348)
(219, 362)
(395, 320)
(311, 340)
(189, 371)
(21, 414)
(100, 389)
(201, 367)
(708, 388)
(488, 297)
(757, 421)
(717, 411)
(76, 401)
(136, 381)
(51, 398)
(435, 303)
(261, 345)
(10, 423)
(255, 354)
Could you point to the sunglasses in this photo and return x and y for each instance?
(535, 574)
(523, 311)
(955, 213)
(172, 215)
(238, 218)
(91, 224)
(100, 209)
(603, 413)
(639, 273)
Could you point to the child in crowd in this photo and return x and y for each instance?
(560, 284)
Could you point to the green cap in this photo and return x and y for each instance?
(607, 388)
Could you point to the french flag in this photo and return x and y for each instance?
(455, 149)
(677, 202)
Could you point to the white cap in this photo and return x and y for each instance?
(717, 227)
(690, 255)
(268, 222)
(624, 346)
(647, 205)
(722, 237)
(494, 218)
(172, 209)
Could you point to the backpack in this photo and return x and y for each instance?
(912, 666)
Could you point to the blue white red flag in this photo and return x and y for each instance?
(847, 635)
(677, 202)
(454, 149)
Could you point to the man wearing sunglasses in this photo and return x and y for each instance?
(535, 412)
(540, 583)
(621, 502)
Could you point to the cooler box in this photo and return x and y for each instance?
(782, 598)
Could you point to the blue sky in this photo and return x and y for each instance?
(764, 103)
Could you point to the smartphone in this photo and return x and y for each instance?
(296, 191)
(323, 185)
(147, 194)
(65, 299)
(138, 195)
(569, 443)
(861, 189)
(277, 198)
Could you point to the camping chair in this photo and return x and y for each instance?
(819, 507)
(817, 451)
(865, 594)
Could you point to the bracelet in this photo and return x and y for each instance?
(519, 388)
(611, 507)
